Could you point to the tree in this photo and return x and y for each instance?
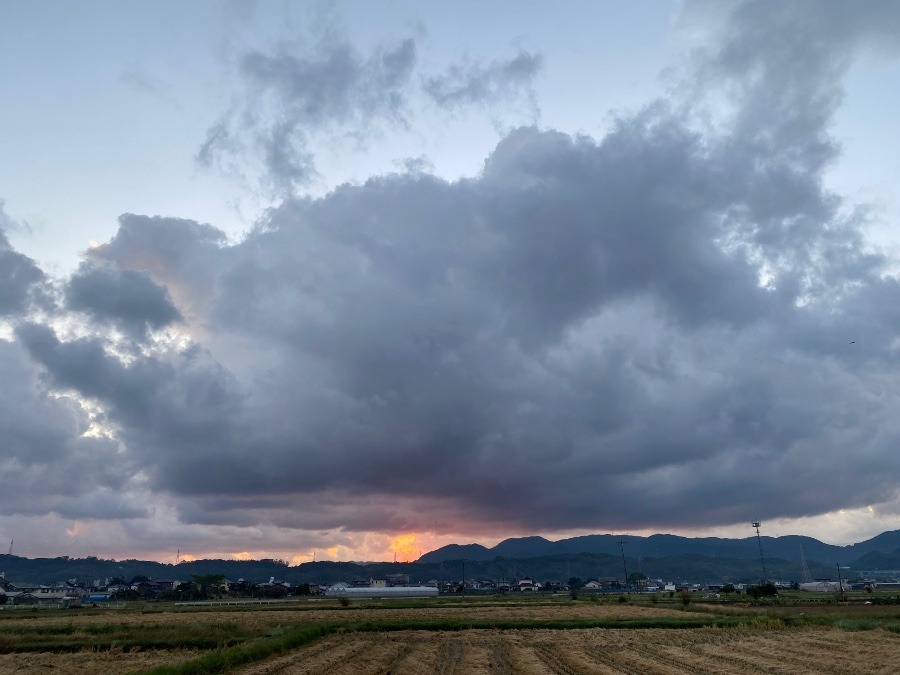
(208, 584)
(125, 594)
(575, 583)
(763, 590)
(728, 588)
(276, 591)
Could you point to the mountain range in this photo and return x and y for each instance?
(882, 548)
(592, 556)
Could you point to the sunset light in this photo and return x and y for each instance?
(405, 547)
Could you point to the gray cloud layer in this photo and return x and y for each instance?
(666, 327)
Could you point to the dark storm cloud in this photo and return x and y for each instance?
(182, 394)
(129, 299)
(674, 325)
(47, 462)
(19, 274)
(478, 84)
(565, 327)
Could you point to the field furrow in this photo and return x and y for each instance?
(561, 659)
(680, 661)
(449, 656)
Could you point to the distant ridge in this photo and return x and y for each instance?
(665, 545)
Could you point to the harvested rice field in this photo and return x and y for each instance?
(114, 661)
(439, 637)
(600, 651)
(266, 616)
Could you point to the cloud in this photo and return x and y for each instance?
(569, 326)
(296, 99)
(293, 98)
(126, 298)
(464, 85)
(675, 325)
(49, 463)
(19, 275)
(138, 79)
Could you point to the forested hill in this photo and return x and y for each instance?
(687, 567)
(666, 545)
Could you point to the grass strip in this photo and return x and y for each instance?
(224, 660)
(125, 645)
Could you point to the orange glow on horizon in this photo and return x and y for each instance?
(405, 546)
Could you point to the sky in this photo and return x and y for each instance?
(356, 280)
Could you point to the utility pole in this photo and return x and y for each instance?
(624, 566)
(464, 577)
(762, 562)
(840, 583)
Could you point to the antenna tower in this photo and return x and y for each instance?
(11, 542)
(178, 556)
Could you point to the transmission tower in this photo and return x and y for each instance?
(624, 566)
(804, 567)
(762, 562)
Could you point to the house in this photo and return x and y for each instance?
(527, 584)
(275, 589)
(153, 588)
(397, 579)
(46, 595)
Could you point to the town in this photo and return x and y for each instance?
(216, 588)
